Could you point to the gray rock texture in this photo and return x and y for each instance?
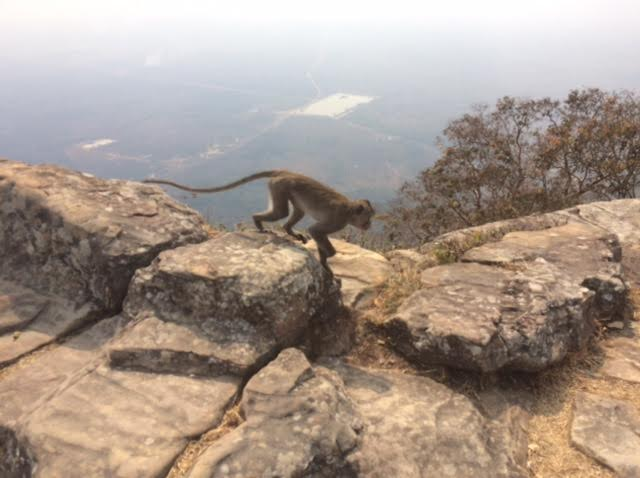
(66, 413)
(340, 421)
(155, 330)
(520, 303)
(27, 386)
(609, 431)
(360, 270)
(299, 423)
(223, 306)
(458, 242)
(620, 217)
(416, 427)
(69, 245)
(82, 238)
(622, 357)
(29, 319)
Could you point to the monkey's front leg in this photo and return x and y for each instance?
(323, 261)
(325, 248)
(258, 224)
(295, 217)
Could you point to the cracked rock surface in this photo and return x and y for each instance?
(520, 303)
(149, 349)
(334, 420)
(82, 237)
(223, 306)
(608, 430)
(70, 243)
(73, 416)
(299, 422)
(361, 271)
(622, 358)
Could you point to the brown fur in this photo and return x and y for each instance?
(331, 210)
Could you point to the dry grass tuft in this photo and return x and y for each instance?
(231, 420)
(555, 390)
(212, 231)
(398, 287)
(634, 297)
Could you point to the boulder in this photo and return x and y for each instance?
(520, 303)
(123, 423)
(450, 246)
(405, 259)
(223, 306)
(607, 430)
(360, 270)
(299, 422)
(589, 254)
(79, 237)
(337, 420)
(69, 245)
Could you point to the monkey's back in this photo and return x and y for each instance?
(315, 198)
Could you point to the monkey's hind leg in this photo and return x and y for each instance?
(325, 248)
(278, 207)
(295, 217)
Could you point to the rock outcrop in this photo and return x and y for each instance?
(70, 243)
(338, 420)
(73, 416)
(223, 306)
(299, 423)
(362, 272)
(123, 397)
(622, 357)
(522, 302)
(158, 328)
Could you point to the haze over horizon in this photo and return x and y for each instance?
(200, 91)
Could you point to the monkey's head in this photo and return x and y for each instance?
(363, 212)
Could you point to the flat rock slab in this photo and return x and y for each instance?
(122, 423)
(416, 427)
(79, 237)
(208, 348)
(520, 303)
(609, 431)
(26, 386)
(70, 415)
(360, 270)
(29, 320)
(622, 358)
(620, 217)
(339, 421)
(223, 306)
(458, 242)
(589, 254)
(299, 422)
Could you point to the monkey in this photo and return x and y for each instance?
(331, 210)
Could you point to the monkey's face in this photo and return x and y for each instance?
(363, 214)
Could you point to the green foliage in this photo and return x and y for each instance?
(522, 157)
(444, 254)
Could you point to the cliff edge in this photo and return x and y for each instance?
(135, 341)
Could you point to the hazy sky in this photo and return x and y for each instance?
(505, 13)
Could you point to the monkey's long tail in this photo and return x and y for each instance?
(226, 187)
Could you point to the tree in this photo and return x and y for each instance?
(521, 157)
